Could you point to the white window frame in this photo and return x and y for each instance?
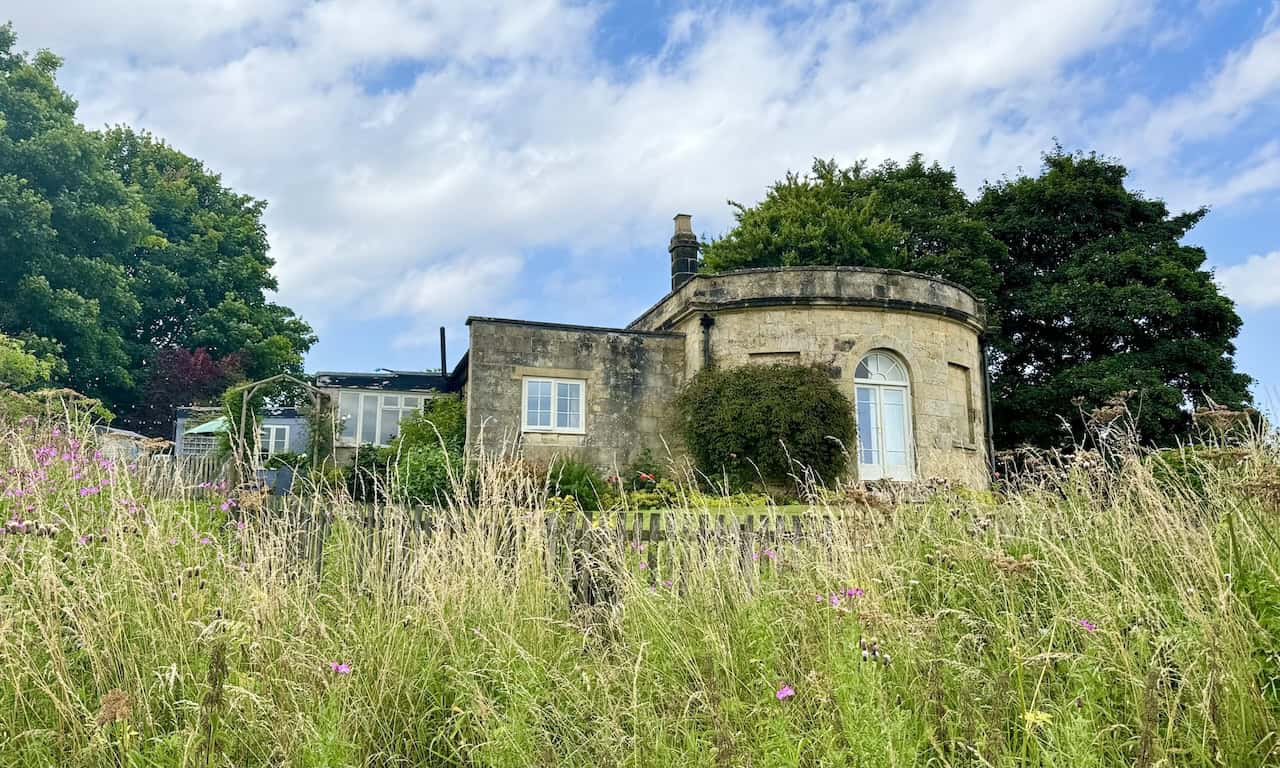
(199, 445)
(267, 446)
(581, 429)
(881, 470)
(381, 404)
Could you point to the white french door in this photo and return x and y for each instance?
(884, 433)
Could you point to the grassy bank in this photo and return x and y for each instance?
(1094, 616)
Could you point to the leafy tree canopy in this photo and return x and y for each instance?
(20, 369)
(115, 246)
(1100, 296)
(912, 217)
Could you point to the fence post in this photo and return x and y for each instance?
(651, 559)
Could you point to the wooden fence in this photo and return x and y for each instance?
(569, 540)
(175, 476)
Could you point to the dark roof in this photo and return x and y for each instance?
(412, 381)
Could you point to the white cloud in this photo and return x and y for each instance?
(1254, 283)
(432, 201)
(1238, 88)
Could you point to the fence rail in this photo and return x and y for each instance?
(571, 542)
(169, 476)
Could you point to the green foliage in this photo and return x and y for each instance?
(765, 423)
(912, 217)
(115, 246)
(426, 473)
(1101, 296)
(444, 420)
(582, 482)
(1099, 621)
(368, 478)
(19, 368)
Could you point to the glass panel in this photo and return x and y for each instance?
(369, 419)
(539, 403)
(390, 428)
(390, 401)
(568, 405)
(264, 440)
(868, 428)
(895, 426)
(412, 401)
(348, 405)
(862, 371)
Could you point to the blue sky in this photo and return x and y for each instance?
(425, 160)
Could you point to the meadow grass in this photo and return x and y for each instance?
(1092, 614)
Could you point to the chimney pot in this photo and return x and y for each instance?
(684, 251)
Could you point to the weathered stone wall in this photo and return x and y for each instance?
(833, 317)
(631, 379)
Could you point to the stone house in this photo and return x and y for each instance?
(907, 349)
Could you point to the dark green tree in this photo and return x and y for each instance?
(65, 218)
(202, 279)
(1101, 296)
(912, 217)
(115, 247)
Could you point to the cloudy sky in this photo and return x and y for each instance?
(425, 160)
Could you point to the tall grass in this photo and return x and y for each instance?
(1096, 614)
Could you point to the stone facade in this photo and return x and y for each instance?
(835, 316)
(826, 316)
(629, 377)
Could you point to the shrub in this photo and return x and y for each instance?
(580, 481)
(766, 416)
(425, 473)
(444, 420)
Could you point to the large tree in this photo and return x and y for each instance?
(911, 216)
(1101, 296)
(115, 246)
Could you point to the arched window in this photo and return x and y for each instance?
(884, 418)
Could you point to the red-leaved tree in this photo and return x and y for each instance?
(180, 377)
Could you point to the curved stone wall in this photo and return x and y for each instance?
(833, 317)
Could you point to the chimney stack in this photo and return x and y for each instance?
(684, 251)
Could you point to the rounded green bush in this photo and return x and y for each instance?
(765, 423)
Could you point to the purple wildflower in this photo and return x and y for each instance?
(784, 693)
(1089, 626)
(340, 667)
(855, 592)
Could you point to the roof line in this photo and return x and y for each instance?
(570, 327)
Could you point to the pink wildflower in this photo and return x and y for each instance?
(785, 692)
(855, 592)
(1088, 625)
(340, 667)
